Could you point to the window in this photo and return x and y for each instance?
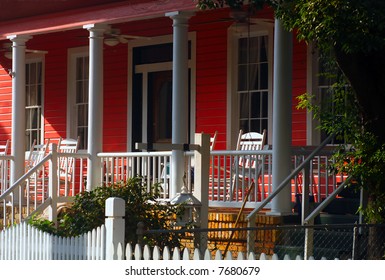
(250, 80)
(328, 77)
(78, 95)
(253, 69)
(34, 102)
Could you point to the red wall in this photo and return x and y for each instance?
(211, 75)
(299, 87)
(211, 80)
(5, 100)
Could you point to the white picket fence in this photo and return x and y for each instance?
(24, 242)
(146, 253)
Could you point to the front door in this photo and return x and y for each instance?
(160, 107)
(152, 94)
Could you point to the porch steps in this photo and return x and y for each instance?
(327, 243)
(8, 214)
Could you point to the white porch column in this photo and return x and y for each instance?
(282, 93)
(18, 106)
(95, 104)
(179, 96)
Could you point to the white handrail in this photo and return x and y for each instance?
(290, 177)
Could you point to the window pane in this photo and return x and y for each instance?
(242, 51)
(79, 68)
(242, 77)
(264, 76)
(255, 105)
(28, 119)
(244, 105)
(243, 124)
(265, 105)
(263, 49)
(32, 74)
(32, 95)
(253, 50)
(255, 126)
(253, 77)
(82, 133)
(39, 95)
(79, 92)
(82, 115)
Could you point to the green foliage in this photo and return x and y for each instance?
(142, 205)
(349, 25)
(365, 161)
(364, 157)
(233, 4)
(42, 224)
(343, 119)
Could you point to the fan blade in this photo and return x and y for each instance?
(36, 51)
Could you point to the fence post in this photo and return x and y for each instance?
(140, 233)
(114, 222)
(53, 184)
(251, 238)
(309, 240)
(201, 183)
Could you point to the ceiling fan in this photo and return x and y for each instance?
(114, 37)
(7, 49)
(241, 17)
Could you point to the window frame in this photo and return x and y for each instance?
(236, 32)
(72, 121)
(37, 58)
(314, 135)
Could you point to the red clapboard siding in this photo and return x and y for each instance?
(115, 99)
(55, 95)
(5, 100)
(299, 87)
(211, 81)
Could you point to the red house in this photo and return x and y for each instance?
(116, 73)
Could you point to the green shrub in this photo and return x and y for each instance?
(142, 205)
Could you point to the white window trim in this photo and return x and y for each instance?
(72, 55)
(152, 67)
(234, 33)
(36, 57)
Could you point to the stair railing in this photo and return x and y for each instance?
(309, 220)
(31, 193)
(304, 167)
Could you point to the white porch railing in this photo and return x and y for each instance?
(231, 185)
(153, 167)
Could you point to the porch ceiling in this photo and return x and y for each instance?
(32, 17)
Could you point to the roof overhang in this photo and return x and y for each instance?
(108, 13)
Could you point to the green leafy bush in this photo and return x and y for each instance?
(142, 205)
